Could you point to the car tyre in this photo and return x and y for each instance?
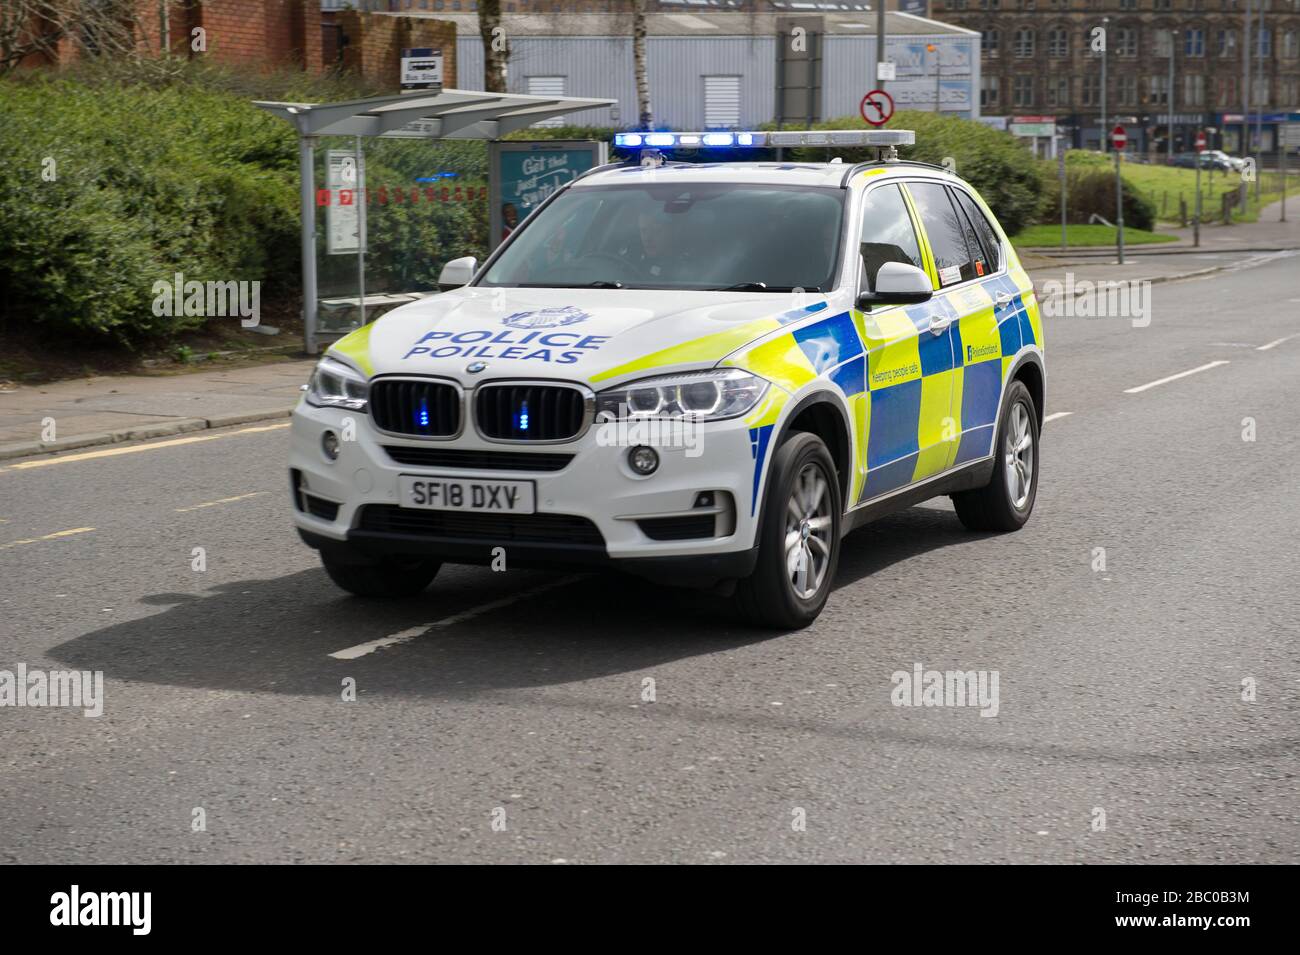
(1005, 503)
(386, 577)
(799, 538)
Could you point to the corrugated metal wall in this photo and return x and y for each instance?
(597, 66)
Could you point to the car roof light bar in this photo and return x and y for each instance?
(768, 140)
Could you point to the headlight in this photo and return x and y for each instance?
(702, 395)
(335, 385)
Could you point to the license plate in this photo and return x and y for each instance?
(438, 493)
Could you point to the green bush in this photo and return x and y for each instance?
(995, 163)
(146, 183)
(1090, 188)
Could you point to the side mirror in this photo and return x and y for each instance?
(457, 273)
(898, 283)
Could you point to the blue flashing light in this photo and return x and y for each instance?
(660, 139)
(422, 414)
(627, 139)
(718, 139)
(523, 417)
(744, 139)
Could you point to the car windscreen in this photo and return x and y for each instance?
(720, 236)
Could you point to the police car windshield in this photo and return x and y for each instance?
(703, 236)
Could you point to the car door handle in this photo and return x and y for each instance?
(939, 324)
(1001, 299)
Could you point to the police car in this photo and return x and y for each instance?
(703, 373)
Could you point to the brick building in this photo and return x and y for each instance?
(1037, 61)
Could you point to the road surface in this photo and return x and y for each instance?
(506, 720)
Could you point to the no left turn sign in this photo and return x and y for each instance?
(876, 107)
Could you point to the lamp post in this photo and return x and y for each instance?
(932, 48)
(1105, 45)
(1169, 98)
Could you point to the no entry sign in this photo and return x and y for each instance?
(876, 107)
(1118, 137)
(1200, 140)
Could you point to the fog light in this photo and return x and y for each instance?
(704, 499)
(329, 443)
(643, 460)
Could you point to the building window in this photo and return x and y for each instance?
(1025, 43)
(1058, 42)
(721, 102)
(1290, 89)
(1194, 42)
(1091, 94)
(1162, 5)
(1128, 89)
(1259, 91)
(1126, 42)
(1128, 4)
(1264, 42)
(1158, 90)
(1194, 89)
(990, 42)
(1058, 91)
(990, 92)
(547, 86)
(1227, 91)
(1023, 91)
(1227, 43)
(1290, 46)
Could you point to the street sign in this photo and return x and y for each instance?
(421, 68)
(1200, 140)
(876, 107)
(1118, 137)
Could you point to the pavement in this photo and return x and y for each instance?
(1142, 626)
(112, 409)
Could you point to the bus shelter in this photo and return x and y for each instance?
(428, 192)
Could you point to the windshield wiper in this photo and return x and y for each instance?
(762, 287)
(600, 284)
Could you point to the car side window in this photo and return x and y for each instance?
(987, 238)
(946, 227)
(887, 234)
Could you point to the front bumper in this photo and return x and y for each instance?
(626, 512)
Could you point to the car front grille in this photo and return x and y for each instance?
(427, 409)
(439, 457)
(495, 528)
(529, 412)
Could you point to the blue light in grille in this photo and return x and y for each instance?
(422, 414)
(523, 416)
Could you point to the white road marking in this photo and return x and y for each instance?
(404, 636)
(223, 500)
(1181, 374)
(1275, 342)
(48, 537)
(1059, 414)
(133, 448)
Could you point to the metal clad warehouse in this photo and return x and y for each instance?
(720, 70)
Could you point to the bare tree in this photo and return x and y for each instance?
(36, 27)
(496, 50)
(645, 115)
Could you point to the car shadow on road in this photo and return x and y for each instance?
(276, 635)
